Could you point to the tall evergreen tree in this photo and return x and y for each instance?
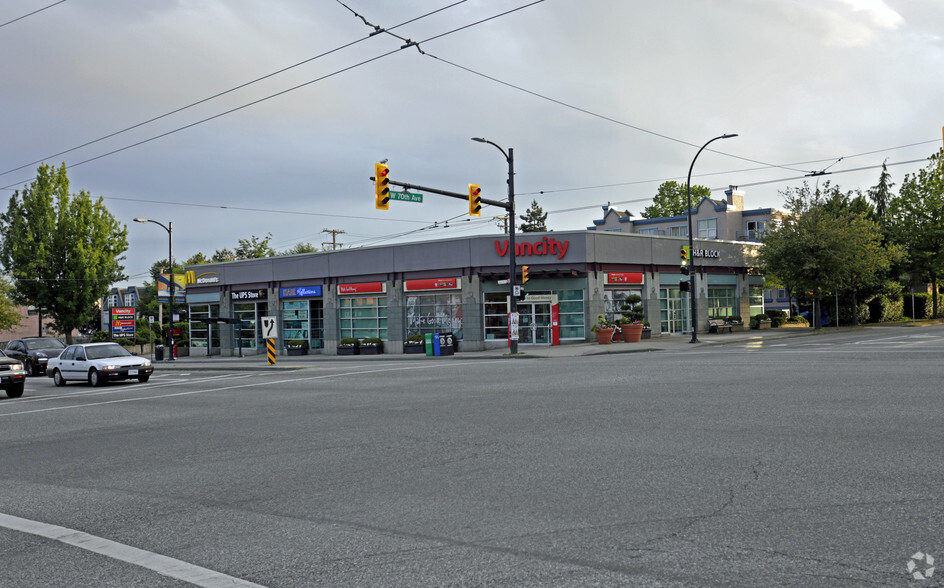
(881, 193)
(62, 251)
(534, 219)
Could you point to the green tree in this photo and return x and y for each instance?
(9, 317)
(197, 259)
(300, 248)
(881, 194)
(62, 252)
(535, 219)
(672, 200)
(916, 222)
(254, 248)
(827, 242)
(221, 255)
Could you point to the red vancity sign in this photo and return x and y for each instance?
(362, 288)
(431, 284)
(624, 278)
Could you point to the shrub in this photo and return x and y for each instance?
(734, 319)
(884, 308)
(100, 337)
(348, 342)
(632, 311)
(371, 342)
(297, 344)
(757, 318)
(414, 339)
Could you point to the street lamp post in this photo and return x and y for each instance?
(691, 241)
(512, 256)
(169, 227)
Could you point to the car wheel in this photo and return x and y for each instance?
(30, 370)
(145, 378)
(95, 378)
(57, 378)
(15, 390)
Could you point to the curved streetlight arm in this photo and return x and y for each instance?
(691, 240)
(512, 258)
(482, 140)
(169, 227)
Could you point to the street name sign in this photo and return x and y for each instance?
(406, 196)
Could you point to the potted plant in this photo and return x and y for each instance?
(415, 344)
(646, 330)
(371, 346)
(348, 346)
(631, 322)
(296, 347)
(736, 323)
(603, 330)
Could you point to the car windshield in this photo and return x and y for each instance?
(45, 344)
(103, 351)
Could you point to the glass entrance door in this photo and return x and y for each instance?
(674, 307)
(534, 323)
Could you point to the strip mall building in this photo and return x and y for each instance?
(454, 286)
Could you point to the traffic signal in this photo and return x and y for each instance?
(475, 200)
(524, 275)
(686, 255)
(381, 186)
(684, 286)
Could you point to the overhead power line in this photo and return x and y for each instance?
(31, 13)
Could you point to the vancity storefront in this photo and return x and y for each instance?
(453, 286)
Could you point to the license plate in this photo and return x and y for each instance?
(132, 372)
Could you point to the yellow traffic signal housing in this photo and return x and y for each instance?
(524, 275)
(686, 254)
(381, 186)
(475, 200)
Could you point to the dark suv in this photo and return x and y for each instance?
(34, 352)
(12, 376)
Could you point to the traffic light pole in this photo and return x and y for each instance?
(447, 193)
(508, 206)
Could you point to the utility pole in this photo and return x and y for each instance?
(334, 238)
(502, 222)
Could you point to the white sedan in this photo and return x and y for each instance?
(97, 363)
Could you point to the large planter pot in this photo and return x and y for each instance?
(347, 351)
(646, 333)
(408, 348)
(632, 333)
(371, 350)
(604, 336)
(297, 351)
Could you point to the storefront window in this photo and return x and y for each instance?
(613, 301)
(363, 317)
(722, 302)
(247, 333)
(572, 315)
(434, 313)
(496, 315)
(295, 320)
(203, 334)
(756, 295)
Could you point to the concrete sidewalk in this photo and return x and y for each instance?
(660, 343)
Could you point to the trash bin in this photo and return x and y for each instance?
(428, 338)
(446, 344)
(159, 353)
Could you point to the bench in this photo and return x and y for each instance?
(719, 325)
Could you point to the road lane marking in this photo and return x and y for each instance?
(163, 565)
(237, 387)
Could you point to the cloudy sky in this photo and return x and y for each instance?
(234, 118)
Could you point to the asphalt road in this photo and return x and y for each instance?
(802, 462)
